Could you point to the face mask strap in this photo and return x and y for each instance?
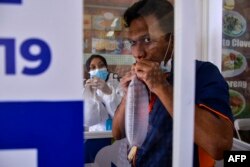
(169, 63)
(166, 67)
(170, 40)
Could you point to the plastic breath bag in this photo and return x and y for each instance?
(136, 114)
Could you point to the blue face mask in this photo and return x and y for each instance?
(99, 73)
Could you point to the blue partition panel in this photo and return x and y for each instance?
(55, 129)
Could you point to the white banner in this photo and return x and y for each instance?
(18, 158)
(41, 50)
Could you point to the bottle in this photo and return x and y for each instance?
(109, 124)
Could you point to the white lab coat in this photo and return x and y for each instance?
(98, 107)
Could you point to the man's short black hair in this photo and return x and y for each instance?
(95, 56)
(132, 12)
(161, 9)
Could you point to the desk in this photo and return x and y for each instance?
(94, 142)
(97, 135)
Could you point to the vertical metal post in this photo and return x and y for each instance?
(187, 47)
(212, 31)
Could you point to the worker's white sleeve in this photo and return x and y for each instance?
(94, 109)
(113, 100)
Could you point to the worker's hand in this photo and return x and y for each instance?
(102, 85)
(97, 83)
(90, 86)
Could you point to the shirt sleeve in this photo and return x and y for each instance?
(212, 90)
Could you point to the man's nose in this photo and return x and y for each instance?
(138, 52)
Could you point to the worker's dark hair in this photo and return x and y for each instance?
(95, 56)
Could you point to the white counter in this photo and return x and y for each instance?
(97, 135)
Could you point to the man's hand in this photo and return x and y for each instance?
(125, 80)
(151, 74)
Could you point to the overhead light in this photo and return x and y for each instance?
(114, 22)
(110, 34)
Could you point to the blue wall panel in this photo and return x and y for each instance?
(54, 128)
